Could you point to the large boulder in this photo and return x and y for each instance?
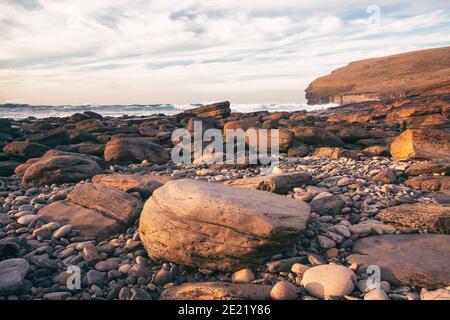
(90, 125)
(96, 210)
(60, 169)
(421, 144)
(217, 291)
(123, 150)
(50, 138)
(433, 218)
(25, 150)
(145, 185)
(12, 275)
(218, 227)
(409, 259)
(216, 110)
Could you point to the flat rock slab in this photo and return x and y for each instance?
(90, 223)
(217, 291)
(217, 227)
(111, 202)
(414, 259)
(432, 218)
(97, 211)
(276, 184)
(431, 183)
(145, 185)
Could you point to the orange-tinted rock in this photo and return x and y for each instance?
(392, 77)
(429, 167)
(336, 153)
(421, 144)
(316, 136)
(431, 183)
(216, 110)
(128, 150)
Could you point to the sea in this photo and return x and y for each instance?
(22, 111)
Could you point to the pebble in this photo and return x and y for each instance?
(299, 268)
(330, 280)
(283, 290)
(243, 276)
(163, 277)
(376, 294)
(27, 219)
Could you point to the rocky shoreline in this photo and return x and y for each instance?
(361, 185)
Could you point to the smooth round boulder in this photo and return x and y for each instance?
(330, 280)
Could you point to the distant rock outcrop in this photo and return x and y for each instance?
(403, 75)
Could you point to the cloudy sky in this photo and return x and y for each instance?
(183, 51)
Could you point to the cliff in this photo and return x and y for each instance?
(400, 76)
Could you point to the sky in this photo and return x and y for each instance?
(188, 51)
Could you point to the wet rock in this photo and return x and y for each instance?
(59, 169)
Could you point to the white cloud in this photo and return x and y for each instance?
(116, 51)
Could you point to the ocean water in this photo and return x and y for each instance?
(15, 111)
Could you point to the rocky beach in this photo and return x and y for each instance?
(357, 209)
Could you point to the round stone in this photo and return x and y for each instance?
(243, 276)
(284, 290)
(376, 294)
(163, 277)
(299, 268)
(12, 274)
(330, 280)
(62, 232)
(27, 219)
